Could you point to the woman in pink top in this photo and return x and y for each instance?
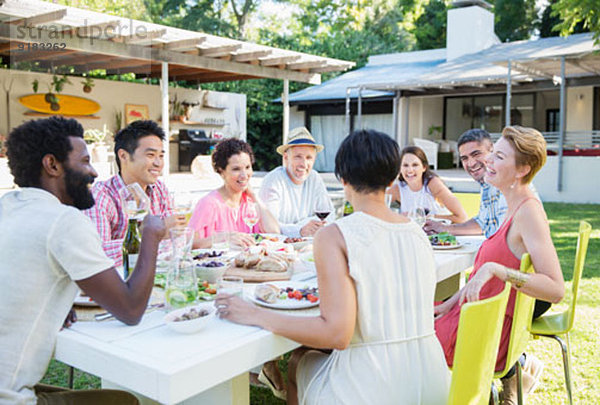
(224, 209)
(517, 157)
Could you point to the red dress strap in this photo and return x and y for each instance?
(519, 207)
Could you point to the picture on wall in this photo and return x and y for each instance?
(135, 112)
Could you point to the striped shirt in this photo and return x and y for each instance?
(110, 218)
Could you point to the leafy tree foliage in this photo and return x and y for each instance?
(123, 8)
(514, 19)
(574, 12)
(430, 31)
(551, 20)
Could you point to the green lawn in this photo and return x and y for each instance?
(585, 338)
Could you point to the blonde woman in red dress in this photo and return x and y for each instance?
(518, 155)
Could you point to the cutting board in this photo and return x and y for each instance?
(69, 105)
(255, 276)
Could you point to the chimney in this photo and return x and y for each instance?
(470, 28)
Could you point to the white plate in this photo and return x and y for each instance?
(307, 240)
(446, 247)
(85, 301)
(288, 303)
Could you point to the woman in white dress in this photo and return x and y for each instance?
(376, 276)
(419, 187)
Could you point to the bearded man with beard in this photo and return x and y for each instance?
(291, 192)
(48, 249)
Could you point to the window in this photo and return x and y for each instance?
(552, 120)
(486, 112)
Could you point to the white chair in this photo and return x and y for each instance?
(430, 148)
(454, 149)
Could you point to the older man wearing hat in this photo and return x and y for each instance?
(293, 190)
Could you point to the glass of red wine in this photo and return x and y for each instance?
(322, 207)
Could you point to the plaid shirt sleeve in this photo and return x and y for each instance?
(161, 204)
(104, 216)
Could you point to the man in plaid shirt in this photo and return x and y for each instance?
(139, 155)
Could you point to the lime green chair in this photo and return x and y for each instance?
(559, 324)
(470, 202)
(477, 341)
(519, 334)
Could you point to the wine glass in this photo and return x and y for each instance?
(322, 207)
(388, 200)
(418, 216)
(135, 202)
(181, 240)
(250, 216)
(182, 204)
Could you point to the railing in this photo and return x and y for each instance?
(573, 139)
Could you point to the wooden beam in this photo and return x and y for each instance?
(137, 38)
(100, 46)
(95, 30)
(120, 64)
(40, 18)
(9, 46)
(218, 51)
(250, 56)
(212, 79)
(331, 68)
(306, 65)
(79, 59)
(183, 43)
(38, 55)
(279, 61)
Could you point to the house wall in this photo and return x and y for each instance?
(580, 185)
(580, 108)
(425, 112)
(112, 97)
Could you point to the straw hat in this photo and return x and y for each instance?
(299, 137)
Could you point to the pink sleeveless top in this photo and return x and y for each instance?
(493, 249)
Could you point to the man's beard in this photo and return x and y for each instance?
(77, 188)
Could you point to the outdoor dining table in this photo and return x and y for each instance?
(209, 367)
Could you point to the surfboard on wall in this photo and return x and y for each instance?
(68, 105)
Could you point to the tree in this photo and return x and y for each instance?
(551, 20)
(514, 19)
(430, 30)
(123, 8)
(574, 12)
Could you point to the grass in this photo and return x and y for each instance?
(584, 338)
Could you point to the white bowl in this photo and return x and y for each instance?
(210, 274)
(193, 325)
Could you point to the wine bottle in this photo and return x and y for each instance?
(348, 208)
(131, 247)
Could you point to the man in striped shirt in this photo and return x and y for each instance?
(139, 155)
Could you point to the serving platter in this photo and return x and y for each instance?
(288, 303)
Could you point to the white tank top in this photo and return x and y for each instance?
(409, 200)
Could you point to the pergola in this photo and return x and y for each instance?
(76, 41)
